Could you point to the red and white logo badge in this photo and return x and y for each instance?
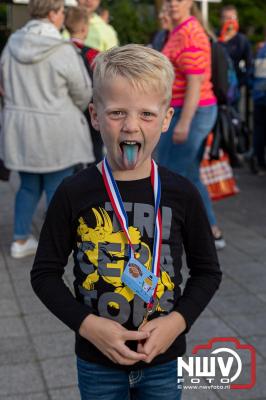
(222, 363)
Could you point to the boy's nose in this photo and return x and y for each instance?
(130, 125)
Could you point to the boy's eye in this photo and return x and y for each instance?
(117, 113)
(147, 114)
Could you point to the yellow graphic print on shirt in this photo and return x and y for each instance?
(103, 234)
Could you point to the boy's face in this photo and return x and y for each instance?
(130, 121)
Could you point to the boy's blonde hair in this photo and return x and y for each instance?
(76, 17)
(142, 66)
(40, 8)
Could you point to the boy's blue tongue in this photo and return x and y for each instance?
(130, 155)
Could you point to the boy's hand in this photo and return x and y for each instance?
(163, 331)
(110, 337)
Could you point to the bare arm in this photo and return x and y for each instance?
(189, 108)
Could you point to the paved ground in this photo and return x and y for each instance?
(36, 350)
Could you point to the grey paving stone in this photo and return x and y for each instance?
(207, 328)
(31, 304)
(33, 396)
(229, 288)
(231, 257)
(19, 269)
(247, 325)
(236, 304)
(259, 342)
(4, 277)
(14, 379)
(5, 245)
(6, 290)
(188, 394)
(4, 188)
(251, 245)
(54, 345)
(63, 394)
(44, 323)
(12, 327)
(258, 392)
(245, 270)
(257, 284)
(8, 308)
(22, 287)
(261, 296)
(60, 372)
(20, 266)
(6, 234)
(207, 313)
(16, 351)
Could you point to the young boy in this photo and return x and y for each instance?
(126, 221)
(77, 24)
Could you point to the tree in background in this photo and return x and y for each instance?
(4, 31)
(135, 21)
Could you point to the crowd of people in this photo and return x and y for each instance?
(32, 102)
(81, 120)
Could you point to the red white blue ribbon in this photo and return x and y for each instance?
(118, 206)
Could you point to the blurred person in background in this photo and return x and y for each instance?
(104, 13)
(181, 148)
(101, 35)
(259, 97)
(236, 44)
(44, 133)
(165, 21)
(77, 24)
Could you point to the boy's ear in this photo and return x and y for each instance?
(94, 117)
(167, 119)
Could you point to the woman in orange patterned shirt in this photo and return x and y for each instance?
(181, 148)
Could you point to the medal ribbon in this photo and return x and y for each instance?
(120, 212)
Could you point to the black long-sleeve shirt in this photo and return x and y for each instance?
(81, 218)
(239, 49)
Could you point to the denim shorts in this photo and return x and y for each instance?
(97, 382)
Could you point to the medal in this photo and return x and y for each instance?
(136, 276)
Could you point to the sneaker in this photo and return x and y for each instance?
(219, 242)
(28, 248)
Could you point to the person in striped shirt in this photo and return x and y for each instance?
(181, 149)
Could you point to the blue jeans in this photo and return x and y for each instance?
(29, 193)
(97, 382)
(185, 158)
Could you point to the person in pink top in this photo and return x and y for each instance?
(181, 148)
